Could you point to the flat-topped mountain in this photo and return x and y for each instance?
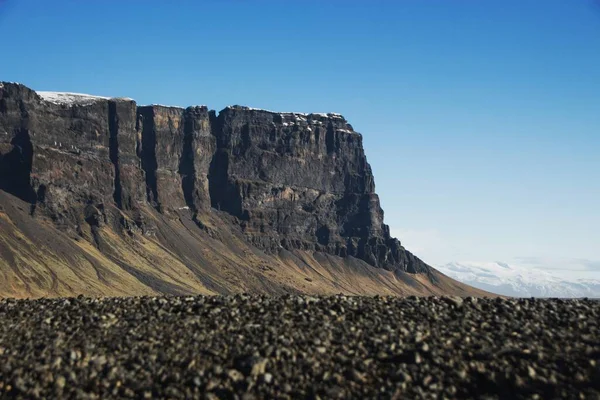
(101, 196)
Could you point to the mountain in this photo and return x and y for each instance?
(519, 280)
(101, 196)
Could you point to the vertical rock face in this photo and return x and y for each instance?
(125, 143)
(287, 180)
(198, 149)
(62, 150)
(302, 181)
(15, 147)
(177, 148)
(162, 138)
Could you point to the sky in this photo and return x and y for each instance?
(481, 119)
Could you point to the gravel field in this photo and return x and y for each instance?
(299, 347)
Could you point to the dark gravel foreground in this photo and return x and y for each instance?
(298, 347)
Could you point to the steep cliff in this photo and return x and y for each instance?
(174, 200)
(302, 181)
(177, 148)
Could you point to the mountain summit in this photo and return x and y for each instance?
(101, 196)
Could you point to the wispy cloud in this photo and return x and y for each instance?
(437, 248)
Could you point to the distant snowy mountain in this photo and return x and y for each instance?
(519, 280)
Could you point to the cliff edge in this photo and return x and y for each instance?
(102, 196)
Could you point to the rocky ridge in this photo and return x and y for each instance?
(93, 167)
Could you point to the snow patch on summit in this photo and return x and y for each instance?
(164, 106)
(66, 98)
(288, 113)
(9, 83)
(69, 98)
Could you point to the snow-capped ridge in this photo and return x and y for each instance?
(162, 105)
(67, 98)
(287, 113)
(9, 83)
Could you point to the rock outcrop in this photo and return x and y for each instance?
(177, 148)
(302, 181)
(96, 167)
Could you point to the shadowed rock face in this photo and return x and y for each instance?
(177, 148)
(302, 181)
(61, 155)
(282, 180)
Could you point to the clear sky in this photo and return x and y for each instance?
(481, 119)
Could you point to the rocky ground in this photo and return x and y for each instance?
(299, 347)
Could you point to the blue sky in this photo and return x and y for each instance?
(481, 119)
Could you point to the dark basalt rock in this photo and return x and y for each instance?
(286, 180)
(288, 347)
(177, 148)
(302, 181)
